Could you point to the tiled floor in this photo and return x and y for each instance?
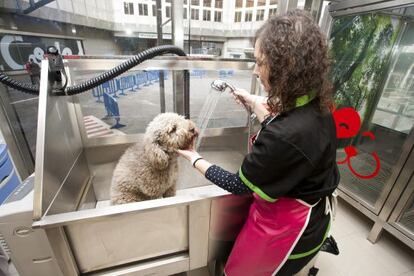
(358, 256)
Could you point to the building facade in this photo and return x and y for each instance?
(222, 28)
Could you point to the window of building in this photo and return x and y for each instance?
(128, 8)
(185, 13)
(273, 2)
(239, 3)
(195, 14)
(219, 4)
(248, 16)
(154, 10)
(217, 16)
(168, 11)
(261, 2)
(260, 15)
(195, 2)
(249, 3)
(143, 9)
(272, 11)
(237, 16)
(185, 2)
(207, 3)
(206, 15)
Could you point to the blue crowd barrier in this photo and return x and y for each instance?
(142, 79)
(108, 90)
(198, 73)
(225, 73)
(112, 109)
(132, 82)
(153, 76)
(110, 87)
(124, 83)
(97, 92)
(8, 176)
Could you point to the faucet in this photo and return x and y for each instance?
(221, 85)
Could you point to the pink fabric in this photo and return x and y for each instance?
(228, 215)
(268, 237)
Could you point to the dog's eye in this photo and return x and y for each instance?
(192, 130)
(172, 129)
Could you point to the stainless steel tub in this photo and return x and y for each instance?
(73, 174)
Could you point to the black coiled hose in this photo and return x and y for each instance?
(104, 77)
(24, 87)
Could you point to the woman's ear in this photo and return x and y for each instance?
(157, 157)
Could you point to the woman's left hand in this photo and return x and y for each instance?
(188, 154)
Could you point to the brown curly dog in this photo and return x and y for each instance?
(149, 170)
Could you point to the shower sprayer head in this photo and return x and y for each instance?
(221, 85)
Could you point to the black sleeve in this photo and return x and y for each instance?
(228, 181)
(274, 167)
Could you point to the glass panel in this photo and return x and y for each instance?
(137, 95)
(248, 16)
(237, 16)
(128, 8)
(260, 15)
(407, 218)
(239, 3)
(226, 113)
(207, 3)
(206, 15)
(272, 11)
(361, 48)
(168, 11)
(249, 3)
(143, 9)
(194, 14)
(25, 108)
(217, 16)
(138, 99)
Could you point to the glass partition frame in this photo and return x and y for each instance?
(350, 7)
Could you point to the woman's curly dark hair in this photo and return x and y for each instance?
(296, 55)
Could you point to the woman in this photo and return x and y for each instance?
(291, 169)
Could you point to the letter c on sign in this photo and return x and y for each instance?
(4, 48)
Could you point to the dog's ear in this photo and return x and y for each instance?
(171, 128)
(157, 157)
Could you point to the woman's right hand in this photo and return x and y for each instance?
(243, 97)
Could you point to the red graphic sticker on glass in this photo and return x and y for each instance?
(348, 124)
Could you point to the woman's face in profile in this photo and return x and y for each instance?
(261, 69)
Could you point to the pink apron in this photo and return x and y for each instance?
(270, 233)
(268, 237)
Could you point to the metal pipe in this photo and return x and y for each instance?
(159, 42)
